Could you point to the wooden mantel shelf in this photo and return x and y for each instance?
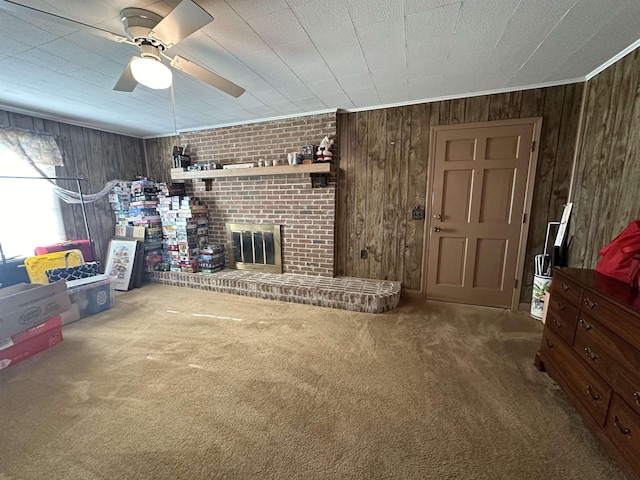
(252, 172)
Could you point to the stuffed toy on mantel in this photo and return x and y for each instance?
(324, 153)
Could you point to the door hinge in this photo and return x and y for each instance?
(524, 218)
(533, 146)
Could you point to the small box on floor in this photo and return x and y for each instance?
(90, 296)
(15, 349)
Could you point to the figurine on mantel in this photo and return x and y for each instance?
(324, 153)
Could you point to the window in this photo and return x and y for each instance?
(30, 212)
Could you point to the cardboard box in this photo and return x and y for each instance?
(25, 305)
(30, 342)
(31, 332)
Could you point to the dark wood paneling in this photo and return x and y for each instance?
(499, 106)
(515, 104)
(444, 112)
(392, 205)
(566, 148)
(421, 116)
(159, 153)
(477, 109)
(18, 120)
(550, 108)
(532, 103)
(95, 156)
(4, 119)
(376, 159)
(342, 194)
(358, 238)
(402, 259)
(628, 200)
(605, 188)
(458, 107)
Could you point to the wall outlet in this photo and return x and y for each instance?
(364, 254)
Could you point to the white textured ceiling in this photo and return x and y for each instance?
(298, 56)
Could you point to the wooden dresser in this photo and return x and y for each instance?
(591, 348)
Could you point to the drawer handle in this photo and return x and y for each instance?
(589, 303)
(561, 306)
(636, 397)
(585, 325)
(623, 430)
(557, 324)
(590, 353)
(593, 394)
(565, 287)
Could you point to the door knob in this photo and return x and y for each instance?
(436, 229)
(437, 216)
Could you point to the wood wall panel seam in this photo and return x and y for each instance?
(626, 210)
(596, 228)
(613, 152)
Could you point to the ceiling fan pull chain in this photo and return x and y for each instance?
(173, 105)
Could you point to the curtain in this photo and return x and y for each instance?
(38, 148)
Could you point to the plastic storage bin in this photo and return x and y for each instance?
(90, 296)
(38, 265)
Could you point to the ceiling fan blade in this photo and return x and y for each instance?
(25, 12)
(182, 21)
(126, 82)
(206, 76)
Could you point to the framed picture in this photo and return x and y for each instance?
(121, 259)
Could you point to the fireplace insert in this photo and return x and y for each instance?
(255, 246)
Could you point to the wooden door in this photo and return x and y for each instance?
(482, 178)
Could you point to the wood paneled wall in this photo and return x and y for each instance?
(159, 153)
(383, 163)
(94, 155)
(606, 191)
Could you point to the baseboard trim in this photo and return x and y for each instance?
(411, 293)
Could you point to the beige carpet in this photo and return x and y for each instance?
(257, 389)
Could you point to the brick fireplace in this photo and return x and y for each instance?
(306, 216)
(305, 211)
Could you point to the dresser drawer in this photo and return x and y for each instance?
(550, 348)
(597, 347)
(568, 369)
(562, 323)
(614, 318)
(563, 307)
(623, 429)
(567, 288)
(627, 385)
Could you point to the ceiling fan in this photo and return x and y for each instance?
(153, 35)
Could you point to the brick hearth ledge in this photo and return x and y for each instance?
(356, 294)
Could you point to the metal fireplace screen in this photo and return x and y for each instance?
(255, 247)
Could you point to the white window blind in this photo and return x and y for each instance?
(30, 212)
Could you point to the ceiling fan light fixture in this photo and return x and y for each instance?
(151, 73)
